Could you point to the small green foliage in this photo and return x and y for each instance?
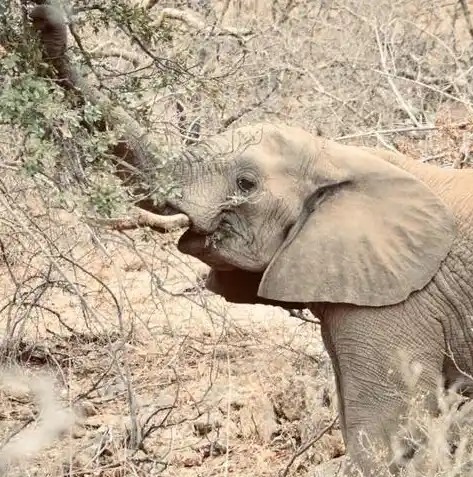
(105, 199)
(29, 101)
(92, 113)
(132, 19)
(68, 143)
(39, 155)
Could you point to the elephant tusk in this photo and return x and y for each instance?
(143, 218)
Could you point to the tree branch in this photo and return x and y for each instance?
(193, 21)
(391, 82)
(135, 152)
(248, 109)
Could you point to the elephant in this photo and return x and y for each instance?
(375, 244)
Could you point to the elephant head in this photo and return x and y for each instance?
(283, 216)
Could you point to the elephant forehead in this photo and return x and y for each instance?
(238, 141)
(259, 152)
(259, 135)
(274, 149)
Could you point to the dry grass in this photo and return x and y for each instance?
(164, 378)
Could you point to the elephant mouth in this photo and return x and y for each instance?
(169, 210)
(202, 237)
(204, 248)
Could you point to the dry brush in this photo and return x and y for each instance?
(134, 85)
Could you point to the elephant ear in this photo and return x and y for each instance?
(378, 235)
(240, 286)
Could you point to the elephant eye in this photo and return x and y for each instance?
(246, 184)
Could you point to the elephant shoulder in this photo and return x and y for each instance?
(455, 188)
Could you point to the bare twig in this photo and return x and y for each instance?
(189, 132)
(419, 129)
(423, 85)
(290, 5)
(225, 8)
(391, 82)
(302, 316)
(465, 152)
(318, 87)
(248, 109)
(434, 157)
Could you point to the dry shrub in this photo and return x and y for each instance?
(449, 143)
(170, 380)
(447, 444)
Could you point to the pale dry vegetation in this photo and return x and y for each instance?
(163, 377)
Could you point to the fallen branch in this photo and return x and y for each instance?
(142, 218)
(116, 53)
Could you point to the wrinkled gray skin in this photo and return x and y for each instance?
(376, 245)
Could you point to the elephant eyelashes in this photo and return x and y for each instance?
(246, 184)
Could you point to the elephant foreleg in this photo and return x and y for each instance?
(372, 352)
